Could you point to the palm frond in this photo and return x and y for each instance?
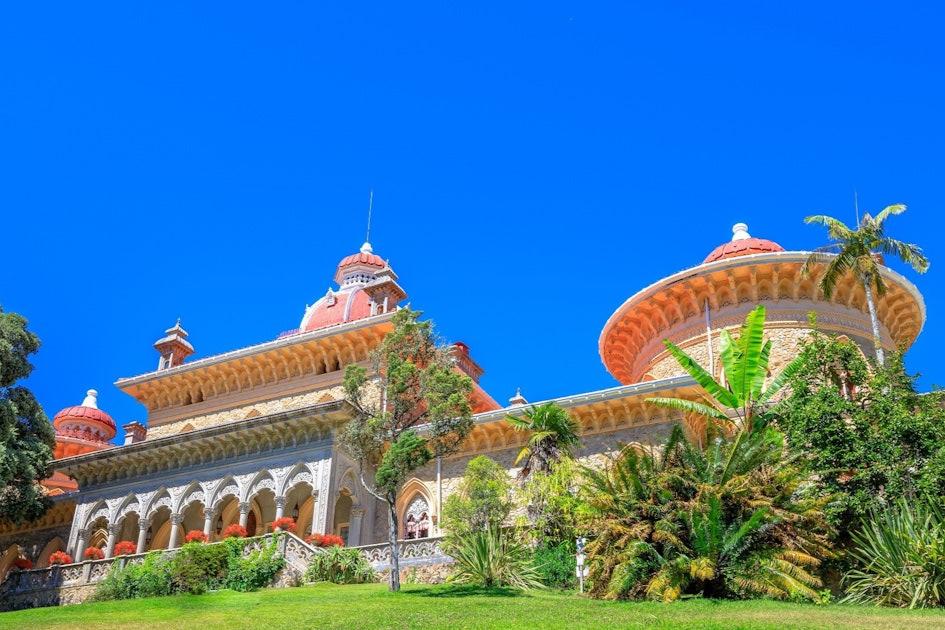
(689, 406)
(701, 376)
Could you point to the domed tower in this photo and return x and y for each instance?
(366, 286)
(80, 429)
(690, 308)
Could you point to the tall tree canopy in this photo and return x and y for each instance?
(26, 437)
(412, 406)
(854, 250)
(869, 435)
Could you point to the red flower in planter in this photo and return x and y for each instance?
(93, 553)
(125, 547)
(285, 523)
(59, 557)
(24, 564)
(195, 535)
(325, 540)
(235, 531)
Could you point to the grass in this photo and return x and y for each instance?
(371, 606)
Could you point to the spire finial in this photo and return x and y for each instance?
(366, 248)
(740, 232)
(91, 399)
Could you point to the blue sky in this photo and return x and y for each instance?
(534, 165)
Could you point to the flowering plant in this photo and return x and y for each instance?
(285, 523)
(125, 547)
(59, 557)
(24, 564)
(195, 535)
(235, 531)
(93, 553)
(325, 540)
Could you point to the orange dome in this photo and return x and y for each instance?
(337, 308)
(86, 423)
(742, 244)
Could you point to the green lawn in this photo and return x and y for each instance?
(371, 606)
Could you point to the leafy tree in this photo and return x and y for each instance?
(855, 251)
(26, 436)
(412, 407)
(870, 436)
(743, 397)
(552, 504)
(482, 500)
(554, 434)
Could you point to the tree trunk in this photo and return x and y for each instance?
(394, 549)
(874, 321)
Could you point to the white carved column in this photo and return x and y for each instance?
(80, 544)
(176, 520)
(113, 531)
(280, 507)
(143, 525)
(244, 513)
(314, 528)
(354, 529)
(207, 523)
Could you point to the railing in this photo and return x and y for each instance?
(46, 586)
(413, 552)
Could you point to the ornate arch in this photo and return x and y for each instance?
(300, 473)
(193, 492)
(161, 498)
(126, 506)
(262, 480)
(415, 510)
(98, 510)
(226, 486)
(54, 545)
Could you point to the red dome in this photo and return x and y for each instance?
(744, 247)
(337, 308)
(742, 244)
(363, 258)
(80, 414)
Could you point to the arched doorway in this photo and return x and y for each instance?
(54, 545)
(341, 523)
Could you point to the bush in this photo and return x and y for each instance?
(125, 547)
(258, 569)
(196, 536)
(492, 558)
(235, 531)
(900, 553)
(483, 499)
(286, 523)
(23, 564)
(59, 557)
(325, 540)
(149, 578)
(197, 568)
(557, 565)
(340, 566)
(93, 553)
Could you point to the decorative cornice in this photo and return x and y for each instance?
(202, 446)
(658, 309)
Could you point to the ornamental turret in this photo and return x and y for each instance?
(173, 347)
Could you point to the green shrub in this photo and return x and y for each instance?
(556, 565)
(482, 500)
(194, 568)
(900, 557)
(197, 567)
(150, 578)
(492, 558)
(256, 570)
(340, 565)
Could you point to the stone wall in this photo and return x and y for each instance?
(66, 584)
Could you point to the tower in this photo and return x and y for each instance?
(173, 347)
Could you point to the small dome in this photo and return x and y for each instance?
(336, 307)
(86, 421)
(742, 244)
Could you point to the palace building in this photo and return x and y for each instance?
(247, 436)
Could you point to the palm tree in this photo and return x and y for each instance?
(743, 397)
(855, 251)
(554, 434)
